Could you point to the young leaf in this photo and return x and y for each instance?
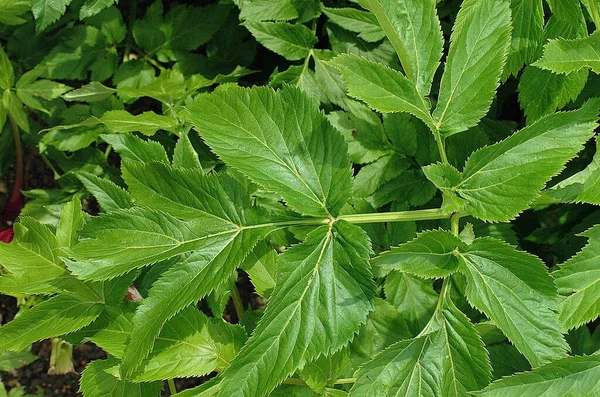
(289, 146)
(430, 254)
(362, 22)
(583, 187)
(381, 87)
(579, 281)
(513, 288)
(96, 382)
(498, 181)
(527, 28)
(572, 376)
(71, 220)
(413, 28)
(566, 56)
(56, 316)
(291, 41)
(7, 76)
(110, 197)
(323, 294)
(478, 51)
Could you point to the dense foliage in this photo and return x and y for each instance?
(387, 173)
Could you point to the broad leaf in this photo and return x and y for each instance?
(323, 294)
(572, 376)
(96, 382)
(289, 146)
(578, 280)
(430, 254)
(362, 22)
(478, 50)
(566, 56)
(381, 87)
(292, 41)
(56, 316)
(514, 289)
(413, 28)
(499, 181)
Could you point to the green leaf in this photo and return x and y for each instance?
(14, 108)
(185, 155)
(325, 370)
(291, 41)
(362, 22)
(323, 294)
(566, 56)
(268, 10)
(527, 28)
(582, 187)
(513, 288)
(110, 197)
(382, 88)
(92, 92)
(56, 316)
(147, 123)
(96, 382)
(478, 51)
(430, 254)
(12, 10)
(260, 266)
(191, 344)
(371, 176)
(31, 260)
(413, 297)
(413, 28)
(93, 7)
(71, 220)
(289, 146)
(30, 94)
(578, 281)
(572, 376)
(498, 181)
(132, 148)
(46, 12)
(12, 360)
(7, 76)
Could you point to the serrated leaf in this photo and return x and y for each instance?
(268, 10)
(413, 28)
(13, 360)
(381, 87)
(514, 289)
(527, 28)
(362, 22)
(371, 176)
(133, 148)
(12, 10)
(71, 220)
(414, 298)
(566, 56)
(184, 155)
(498, 181)
(31, 260)
(14, 108)
(430, 254)
(325, 369)
(582, 187)
(289, 146)
(30, 94)
(93, 7)
(572, 376)
(47, 12)
(7, 76)
(147, 123)
(96, 382)
(260, 266)
(110, 197)
(478, 50)
(92, 92)
(324, 293)
(191, 344)
(578, 281)
(291, 41)
(56, 316)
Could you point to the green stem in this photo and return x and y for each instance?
(237, 302)
(294, 381)
(172, 388)
(344, 381)
(400, 216)
(454, 223)
(301, 382)
(440, 144)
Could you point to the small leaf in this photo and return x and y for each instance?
(478, 50)
(92, 92)
(268, 10)
(381, 87)
(110, 197)
(527, 28)
(566, 56)
(514, 289)
(147, 123)
(289, 146)
(96, 382)
(292, 41)
(14, 107)
(572, 376)
(71, 220)
(362, 22)
(47, 12)
(13, 360)
(93, 7)
(184, 155)
(430, 254)
(7, 76)
(133, 148)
